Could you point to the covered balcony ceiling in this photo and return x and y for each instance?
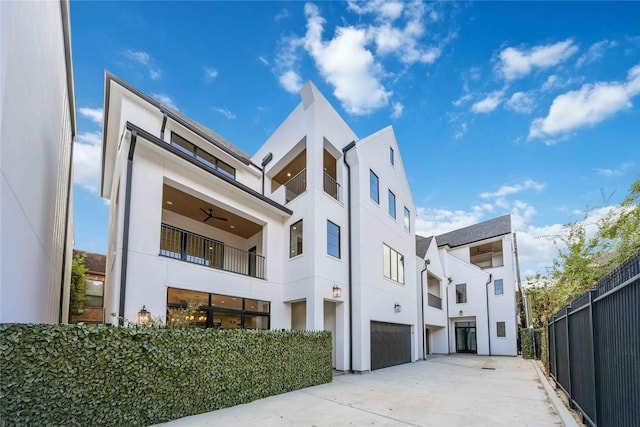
(187, 205)
(291, 169)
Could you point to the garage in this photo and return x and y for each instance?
(390, 344)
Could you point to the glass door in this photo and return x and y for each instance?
(466, 337)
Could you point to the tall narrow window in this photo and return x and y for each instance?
(501, 329)
(407, 220)
(393, 267)
(373, 187)
(295, 239)
(392, 204)
(498, 288)
(333, 239)
(391, 159)
(461, 294)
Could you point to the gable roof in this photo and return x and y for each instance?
(475, 233)
(422, 245)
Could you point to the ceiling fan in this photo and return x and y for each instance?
(210, 215)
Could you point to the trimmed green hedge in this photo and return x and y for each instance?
(70, 375)
(526, 343)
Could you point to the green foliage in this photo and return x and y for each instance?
(526, 343)
(620, 229)
(75, 375)
(77, 297)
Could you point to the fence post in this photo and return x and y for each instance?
(555, 350)
(593, 293)
(569, 358)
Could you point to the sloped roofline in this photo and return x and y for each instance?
(475, 233)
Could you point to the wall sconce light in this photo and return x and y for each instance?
(336, 291)
(143, 316)
(460, 313)
(449, 279)
(397, 307)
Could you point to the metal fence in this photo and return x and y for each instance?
(594, 349)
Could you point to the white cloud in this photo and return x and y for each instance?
(228, 114)
(462, 130)
(385, 10)
(489, 103)
(595, 52)
(397, 108)
(138, 56)
(507, 190)
(463, 99)
(210, 73)
(94, 114)
(284, 13)
(263, 60)
(86, 160)
(166, 100)
(291, 81)
(589, 105)
(521, 102)
(155, 74)
(620, 170)
(515, 63)
(433, 222)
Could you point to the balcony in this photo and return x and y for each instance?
(190, 247)
(295, 186)
(434, 301)
(331, 186)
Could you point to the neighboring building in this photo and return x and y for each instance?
(470, 305)
(37, 129)
(93, 309)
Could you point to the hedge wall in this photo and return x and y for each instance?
(70, 375)
(527, 344)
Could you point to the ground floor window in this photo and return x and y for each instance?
(501, 329)
(217, 310)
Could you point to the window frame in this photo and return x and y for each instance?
(337, 228)
(300, 250)
(464, 287)
(395, 259)
(392, 159)
(407, 220)
(495, 288)
(373, 175)
(189, 148)
(504, 329)
(392, 198)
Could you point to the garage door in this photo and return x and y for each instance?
(390, 344)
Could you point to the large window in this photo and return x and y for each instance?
(501, 329)
(461, 294)
(333, 239)
(497, 287)
(392, 204)
(94, 290)
(393, 264)
(295, 239)
(202, 156)
(217, 311)
(407, 220)
(373, 187)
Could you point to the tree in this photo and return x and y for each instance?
(620, 230)
(77, 298)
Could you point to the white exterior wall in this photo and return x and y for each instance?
(37, 127)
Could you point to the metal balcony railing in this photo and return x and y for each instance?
(296, 186)
(331, 186)
(434, 301)
(194, 248)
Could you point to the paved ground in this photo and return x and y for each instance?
(442, 391)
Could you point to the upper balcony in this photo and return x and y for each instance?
(488, 255)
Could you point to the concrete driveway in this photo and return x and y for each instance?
(448, 390)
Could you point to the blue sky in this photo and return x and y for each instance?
(529, 108)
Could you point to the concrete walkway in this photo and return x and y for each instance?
(449, 390)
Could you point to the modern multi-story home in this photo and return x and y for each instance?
(315, 231)
(470, 301)
(37, 129)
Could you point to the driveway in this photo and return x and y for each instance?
(450, 390)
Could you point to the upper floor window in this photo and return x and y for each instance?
(407, 220)
(202, 156)
(393, 264)
(497, 287)
(461, 293)
(333, 239)
(295, 239)
(391, 158)
(373, 187)
(392, 204)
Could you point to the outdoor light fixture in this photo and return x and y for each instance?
(449, 279)
(397, 307)
(336, 291)
(143, 316)
(460, 313)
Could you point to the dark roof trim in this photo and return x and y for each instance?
(162, 144)
(68, 59)
(490, 229)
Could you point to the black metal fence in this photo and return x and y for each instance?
(594, 349)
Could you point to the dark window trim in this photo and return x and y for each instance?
(290, 248)
(395, 204)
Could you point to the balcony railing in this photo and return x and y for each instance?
(331, 186)
(434, 301)
(190, 247)
(296, 186)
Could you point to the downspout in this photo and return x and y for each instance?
(164, 124)
(344, 159)
(446, 294)
(488, 323)
(424, 333)
(125, 232)
(265, 161)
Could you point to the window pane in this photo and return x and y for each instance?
(392, 204)
(386, 251)
(256, 305)
(394, 265)
(226, 301)
(226, 169)
(94, 288)
(461, 294)
(227, 321)
(256, 322)
(182, 144)
(391, 159)
(500, 326)
(182, 296)
(373, 187)
(498, 287)
(400, 268)
(333, 239)
(93, 301)
(295, 239)
(407, 220)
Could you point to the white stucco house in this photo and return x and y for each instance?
(37, 130)
(314, 231)
(470, 280)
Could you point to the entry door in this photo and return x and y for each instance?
(466, 337)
